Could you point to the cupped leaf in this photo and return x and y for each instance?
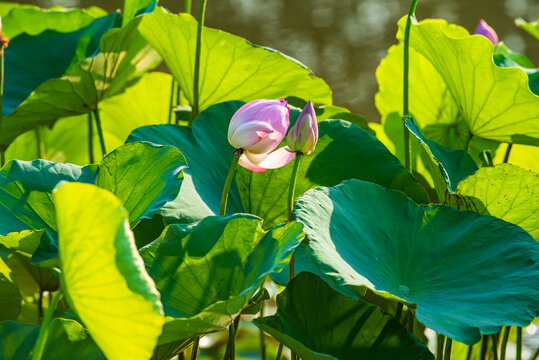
(478, 86)
(454, 165)
(506, 191)
(337, 157)
(321, 324)
(10, 297)
(145, 103)
(505, 57)
(239, 70)
(32, 20)
(124, 56)
(133, 8)
(531, 27)
(103, 276)
(57, 51)
(207, 272)
(143, 176)
(66, 338)
(363, 235)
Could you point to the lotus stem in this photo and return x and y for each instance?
(440, 339)
(194, 351)
(171, 103)
(470, 352)
(279, 352)
(405, 95)
(262, 337)
(39, 143)
(228, 181)
(40, 306)
(484, 346)
(291, 193)
(2, 148)
(447, 351)
(90, 138)
(507, 153)
(187, 6)
(495, 339)
(398, 313)
(519, 343)
(201, 12)
(505, 339)
(535, 354)
(39, 347)
(100, 131)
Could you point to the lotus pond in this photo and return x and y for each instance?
(169, 190)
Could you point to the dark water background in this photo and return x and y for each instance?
(343, 41)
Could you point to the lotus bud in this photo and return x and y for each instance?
(487, 31)
(304, 134)
(256, 129)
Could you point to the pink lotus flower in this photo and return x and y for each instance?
(257, 128)
(484, 29)
(304, 134)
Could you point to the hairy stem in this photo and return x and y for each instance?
(187, 6)
(100, 131)
(44, 331)
(228, 181)
(90, 138)
(201, 12)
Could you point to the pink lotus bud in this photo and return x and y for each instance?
(304, 134)
(484, 29)
(257, 128)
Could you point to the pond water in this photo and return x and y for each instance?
(343, 41)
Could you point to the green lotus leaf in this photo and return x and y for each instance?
(432, 255)
(353, 329)
(32, 20)
(531, 27)
(57, 51)
(10, 297)
(145, 103)
(337, 157)
(103, 276)
(477, 85)
(454, 165)
(239, 70)
(133, 8)
(506, 191)
(207, 272)
(143, 176)
(66, 338)
(505, 57)
(124, 56)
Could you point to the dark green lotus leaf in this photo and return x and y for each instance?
(143, 176)
(133, 8)
(10, 297)
(454, 165)
(366, 236)
(239, 70)
(123, 57)
(505, 57)
(208, 154)
(531, 27)
(478, 86)
(207, 272)
(506, 191)
(337, 157)
(32, 20)
(103, 277)
(321, 324)
(66, 338)
(145, 103)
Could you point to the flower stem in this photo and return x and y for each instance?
(262, 337)
(187, 6)
(228, 181)
(39, 143)
(100, 131)
(505, 339)
(90, 138)
(171, 102)
(2, 148)
(292, 188)
(447, 351)
(405, 95)
(39, 347)
(507, 153)
(201, 12)
(279, 352)
(440, 339)
(194, 351)
(519, 343)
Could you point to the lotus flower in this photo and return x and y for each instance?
(256, 129)
(304, 134)
(484, 29)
